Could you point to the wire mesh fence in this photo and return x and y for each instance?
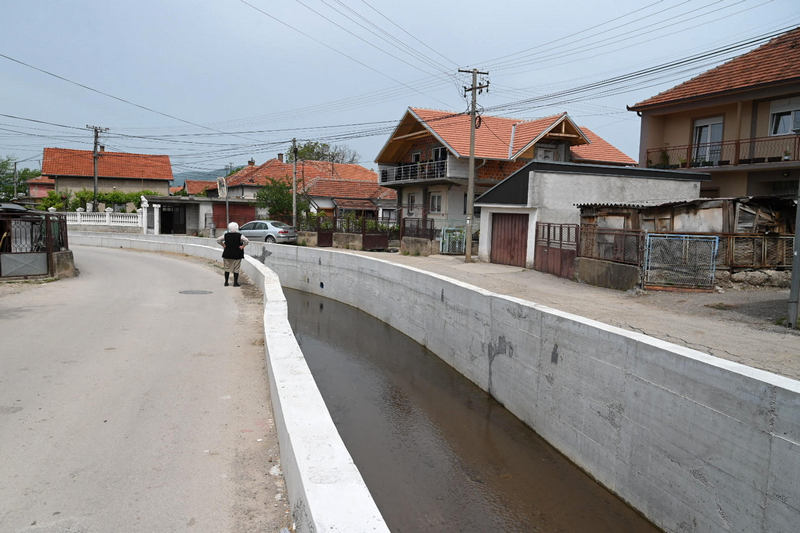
(680, 260)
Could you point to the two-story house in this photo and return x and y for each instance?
(739, 122)
(426, 159)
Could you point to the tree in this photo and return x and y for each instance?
(276, 196)
(317, 151)
(7, 178)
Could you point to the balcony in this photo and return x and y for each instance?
(759, 150)
(428, 170)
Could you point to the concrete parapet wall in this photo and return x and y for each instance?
(607, 274)
(325, 489)
(102, 228)
(348, 241)
(696, 443)
(64, 264)
(307, 238)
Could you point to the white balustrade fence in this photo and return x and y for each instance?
(105, 219)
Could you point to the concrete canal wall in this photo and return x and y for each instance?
(694, 442)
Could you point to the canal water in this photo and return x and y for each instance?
(437, 453)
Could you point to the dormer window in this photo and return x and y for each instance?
(439, 153)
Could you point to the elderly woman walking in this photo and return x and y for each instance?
(233, 244)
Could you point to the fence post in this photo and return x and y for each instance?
(156, 219)
(108, 216)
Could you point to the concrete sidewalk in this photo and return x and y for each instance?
(738, 325)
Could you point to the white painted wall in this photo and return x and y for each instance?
(694, 442)
(485, 242)
(556, 193)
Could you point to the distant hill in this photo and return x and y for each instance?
(178, 178)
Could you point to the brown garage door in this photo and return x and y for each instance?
(238, 213)
(509, 239)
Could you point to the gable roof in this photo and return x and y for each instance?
(194, 187)
(599, 151)
(353, 189)
(258, 176)
(42, 180)
(503, 138)
(774, 63)
(65, 162)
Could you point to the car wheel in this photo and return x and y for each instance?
(270, 238)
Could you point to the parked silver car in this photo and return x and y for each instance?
(269, 231)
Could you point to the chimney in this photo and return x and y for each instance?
(251, 162)
(102, 148)
(280, 158)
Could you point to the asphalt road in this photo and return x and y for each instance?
(129, 405)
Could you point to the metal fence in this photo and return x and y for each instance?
(418, 227)
(617, 245)
(27, 243)
(680, 260)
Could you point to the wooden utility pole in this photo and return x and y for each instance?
(794, 291)
(474, 89)
(95, 156)
(294, 183)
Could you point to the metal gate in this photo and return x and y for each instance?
(509, 239)
(556, 248)
(680, 260)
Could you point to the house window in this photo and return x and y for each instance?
(784, 116)
(436, 203)
(785, 122)
(416, 157)
(707, 139)
(546, 152)
(410, 204)
(439, 153)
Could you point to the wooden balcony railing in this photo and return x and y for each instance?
(740, 152)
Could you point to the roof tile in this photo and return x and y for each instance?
(774, 62)
(65, 162)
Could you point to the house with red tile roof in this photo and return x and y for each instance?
(73, 170)
(739, 122)
(340, 197)
(198, 187)
(246, 182)
(426, 158)
(40, 186)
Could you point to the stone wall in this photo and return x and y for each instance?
(607, 274)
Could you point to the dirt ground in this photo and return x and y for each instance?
(745, 325)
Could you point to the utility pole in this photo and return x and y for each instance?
(16, 179)
(471, 179)
(794, 291)
(95, 156)
(294, 183)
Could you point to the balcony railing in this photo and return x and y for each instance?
(427, 170)
(740, 152)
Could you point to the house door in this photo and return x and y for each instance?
(509, 239)
(173, 219)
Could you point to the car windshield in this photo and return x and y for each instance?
(281, 225)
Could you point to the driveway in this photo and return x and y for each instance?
(135, 398)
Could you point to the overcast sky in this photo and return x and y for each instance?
(222, 81)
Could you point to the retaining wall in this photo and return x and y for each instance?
(694, 442)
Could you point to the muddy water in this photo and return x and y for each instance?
(437, 453)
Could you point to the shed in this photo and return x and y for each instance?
(549, 192)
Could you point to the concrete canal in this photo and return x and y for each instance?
(437, 453)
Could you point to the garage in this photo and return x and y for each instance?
(509, 238)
